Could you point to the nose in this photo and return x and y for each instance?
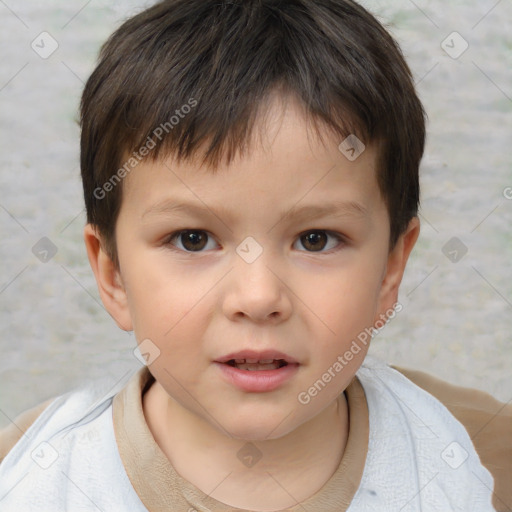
(257, 291)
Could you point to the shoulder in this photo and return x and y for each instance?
(421, 444)
(53, 414)
(71, 435)
(12, 433)
(51, 417)
(487, 421)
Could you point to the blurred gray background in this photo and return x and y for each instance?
(457, 291)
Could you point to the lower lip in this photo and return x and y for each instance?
(258, 381)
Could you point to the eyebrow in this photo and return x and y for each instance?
(298, 213)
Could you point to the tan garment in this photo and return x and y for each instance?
(155, 480)
(488, 422)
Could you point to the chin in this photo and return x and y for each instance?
(260, 426)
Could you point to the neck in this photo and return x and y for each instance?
(290, 469)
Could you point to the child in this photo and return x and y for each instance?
(250, 173)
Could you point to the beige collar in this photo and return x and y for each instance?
(160, 487)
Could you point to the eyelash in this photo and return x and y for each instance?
(176, 234)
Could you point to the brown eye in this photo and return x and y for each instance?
(317, 240)
(190, 240)
(193, 240)
(314, 241)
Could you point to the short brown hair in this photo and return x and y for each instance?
(224, 58)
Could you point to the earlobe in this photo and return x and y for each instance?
(108, 279)
(396, 263)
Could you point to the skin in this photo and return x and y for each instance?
(308, 301)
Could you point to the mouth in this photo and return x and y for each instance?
(252, 360)
(253, 365)
(255, 372)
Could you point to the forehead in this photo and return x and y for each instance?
(287, 162)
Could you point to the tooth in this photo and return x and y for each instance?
(251, 360)
(256, 366)
(239, 361)
(265, 361)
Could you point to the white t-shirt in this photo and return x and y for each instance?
(420, 458)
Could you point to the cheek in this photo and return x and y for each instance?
(345, 301)
(344, 309)
(165, 307)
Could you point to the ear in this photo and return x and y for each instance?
(397, 259)
(108, 279)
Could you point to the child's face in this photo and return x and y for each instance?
(305, 297)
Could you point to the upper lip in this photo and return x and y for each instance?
(258, 355)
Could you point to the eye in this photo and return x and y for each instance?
(316, 240)
(195, 240)
(192, 240)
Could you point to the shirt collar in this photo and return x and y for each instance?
(160, 487)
